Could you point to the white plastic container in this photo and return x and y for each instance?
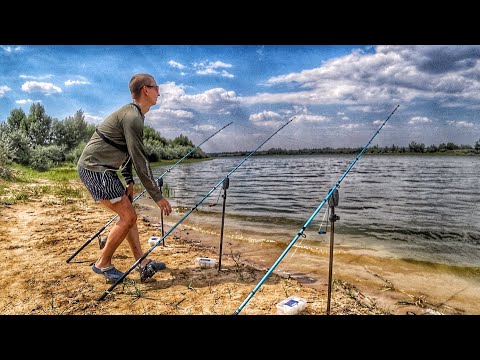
(291, 306)
(153, 240)
(205, 263)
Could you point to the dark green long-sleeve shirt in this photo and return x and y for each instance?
(123, 127)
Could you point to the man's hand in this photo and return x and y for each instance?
(129, 191)
(164, 206)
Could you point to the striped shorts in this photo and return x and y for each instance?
(102, 185)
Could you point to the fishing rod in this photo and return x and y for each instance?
(143, 192)
(187, 214)
(300, 233)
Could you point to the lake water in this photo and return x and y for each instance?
(423, 208)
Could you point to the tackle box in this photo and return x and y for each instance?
(153, 240)
(204, 262)
(291, 306)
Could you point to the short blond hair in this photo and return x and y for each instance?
(137, 82)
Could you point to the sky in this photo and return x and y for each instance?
(337, 95)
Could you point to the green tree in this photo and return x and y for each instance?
(37, 125)
(89, 132)
(150, 133)
(71, 131)
(414, 147)
(182, 140)
(451, 146)
(17, 116)
(58, 132)
(5, 152)
(21, 148)
(477, 145)
(432, 148)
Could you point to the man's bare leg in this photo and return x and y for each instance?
(127, 221)
(133, 239)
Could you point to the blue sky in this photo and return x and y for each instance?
(338, 94)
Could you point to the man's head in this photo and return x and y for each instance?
(143, 84)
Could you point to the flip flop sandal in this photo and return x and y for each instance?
(111, 273)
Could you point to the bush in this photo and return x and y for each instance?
(151, 150)
(5, 172)
(74, 155)
(44, 157)
(19, 147)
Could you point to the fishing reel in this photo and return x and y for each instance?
(147, 272)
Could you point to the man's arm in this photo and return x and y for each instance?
(133, 130)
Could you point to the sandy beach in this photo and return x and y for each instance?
(40, 233)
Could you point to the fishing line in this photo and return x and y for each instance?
(218, 197)
(320, 231)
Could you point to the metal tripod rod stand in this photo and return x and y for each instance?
(224, 187)
(332, 202)
(160, 184)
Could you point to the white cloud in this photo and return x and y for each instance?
(176, 65)
(380, 122)
(9, 49)
(304, 115)
(36, 77)
(207, 72)
(25, 101)
(461, 124)
(365, 109)
(300, 109)
(3, 90)
(76, 82)
(205, 68)
(165, 113)
(217, 100)
(204, 127)
(211, 68)
(419, 119)
(266, 118)
(393, 74)
(311, 118)
(350, 126)
(92, 119)
(219, 64)
(225, 73)
(43, 87)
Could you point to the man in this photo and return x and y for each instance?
(116, 144)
